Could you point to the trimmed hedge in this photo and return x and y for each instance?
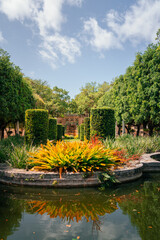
(63, 130)
(82, 132)
(36, 126)
(59, 131)
(87, 128)
(102, 122)
(52, 132)
(79, 132)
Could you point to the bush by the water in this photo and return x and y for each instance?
(74, 156)
(102, 122)
(36, 126)
(6, 146)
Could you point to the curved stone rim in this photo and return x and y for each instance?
(22, 177)
(150, 164)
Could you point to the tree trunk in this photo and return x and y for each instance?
(119, 130)
(2, 132)
(138, 130)
(17, 127)
(150, 126)
(128, 129)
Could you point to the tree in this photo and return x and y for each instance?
(89, 95)
(59, 103)
(15, 94)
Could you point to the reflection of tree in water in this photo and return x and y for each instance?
(143, 208)
(10, 215)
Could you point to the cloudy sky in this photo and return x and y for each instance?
(71, 42)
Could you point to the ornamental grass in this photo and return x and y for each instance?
(74, 157)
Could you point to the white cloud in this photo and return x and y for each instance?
(48, 16)
(100, 38)
(139, 23)
(77, 3)
(57, 48)
(18, 9)
(1, 37)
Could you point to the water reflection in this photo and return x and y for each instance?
(130, 211)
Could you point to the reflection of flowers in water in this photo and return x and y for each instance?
(74, 210)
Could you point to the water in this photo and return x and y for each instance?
(131, 211)
(156, 157)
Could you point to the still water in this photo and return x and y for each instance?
(131, 211)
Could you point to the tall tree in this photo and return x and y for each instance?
(15, 94)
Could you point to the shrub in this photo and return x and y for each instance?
(6, 146)
(59, 131)
(134, 145)
(73, 156)
(82, 132)
(63, 130)
(87, 128)
(79, 131)
(36, 126)
(102, 122)
(52, 132)
(19, 156)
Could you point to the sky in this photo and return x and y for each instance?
(69, 43)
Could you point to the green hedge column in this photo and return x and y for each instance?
(82, 132)
(63, 130)
(52, 133)
(87, 128)
(59, 131)
(102, 122)
(79, 132)
(36, 126)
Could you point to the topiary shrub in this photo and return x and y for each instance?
(63, 130)
(52, 132)
(59, 131)
(36, 126)
(87, 128)
(102, 122)
(79, 132)
(82, 132)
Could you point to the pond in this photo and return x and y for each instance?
(156, 157)
(130, 211)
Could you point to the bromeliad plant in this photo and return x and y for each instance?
(73, 156)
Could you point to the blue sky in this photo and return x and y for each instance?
(69, 43)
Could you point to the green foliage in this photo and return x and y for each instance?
(15, 94)
(36, 126)
(87, 128)
(134, 145)
(82, 132)
(59, 131)
(52, 131)
(89, 96)
(135, 95)
(78, 131)
(6, 147)
(102, 122)
(19, 156)
(59, 102)
(63, 130)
